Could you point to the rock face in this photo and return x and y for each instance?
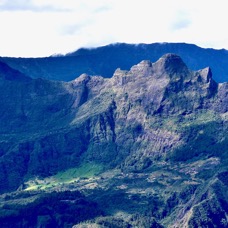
(155, 113)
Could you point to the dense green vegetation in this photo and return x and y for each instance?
(56, 209)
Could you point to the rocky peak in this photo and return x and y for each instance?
(86, 80)
(169, 69)
(82, 79)
(144, 63)
(167, 85)
(172, 64)
(206, 74)
(144, 67)
(171, 57)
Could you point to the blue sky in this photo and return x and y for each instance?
(35, 28)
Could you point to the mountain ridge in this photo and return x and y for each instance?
(155, 132)
(104, 60)
(166, 87)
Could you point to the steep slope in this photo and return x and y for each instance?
(26, 103)
(155, 134)
(104, 60)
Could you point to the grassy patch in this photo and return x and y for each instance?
(84, 171)
(65, 177)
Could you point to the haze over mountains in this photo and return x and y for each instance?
(105, 60)
(146, 147)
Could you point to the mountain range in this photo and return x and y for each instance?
(146, 147)
(105, 60)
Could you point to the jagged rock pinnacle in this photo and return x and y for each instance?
(206, 74)
(145, 63)
(172, 63)
(83, 78)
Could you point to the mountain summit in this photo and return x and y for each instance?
(148, 145)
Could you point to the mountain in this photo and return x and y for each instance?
(145, 148)
(105, 60)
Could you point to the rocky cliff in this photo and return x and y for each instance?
(160, 127)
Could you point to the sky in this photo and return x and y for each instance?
(39, 28)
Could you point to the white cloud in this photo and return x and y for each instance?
(44, 27)
(29, 5)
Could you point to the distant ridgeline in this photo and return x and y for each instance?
(104, 60)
